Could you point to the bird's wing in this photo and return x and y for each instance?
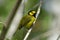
(25, 20)
(29, 25)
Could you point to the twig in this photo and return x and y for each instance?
(58, 37)
(29, 31)
(9, 19)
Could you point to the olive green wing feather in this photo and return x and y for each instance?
(29, 25)
(24, 21)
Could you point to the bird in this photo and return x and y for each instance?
(27, 20)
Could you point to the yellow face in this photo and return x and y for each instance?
(32, 13)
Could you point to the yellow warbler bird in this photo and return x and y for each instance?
(27, 20)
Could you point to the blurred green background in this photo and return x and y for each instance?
(42, 23)
(5, 8)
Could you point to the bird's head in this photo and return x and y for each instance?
(32, 13)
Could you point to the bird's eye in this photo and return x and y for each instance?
(31, 13)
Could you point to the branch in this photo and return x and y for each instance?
(15, 22)
(58, 37)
